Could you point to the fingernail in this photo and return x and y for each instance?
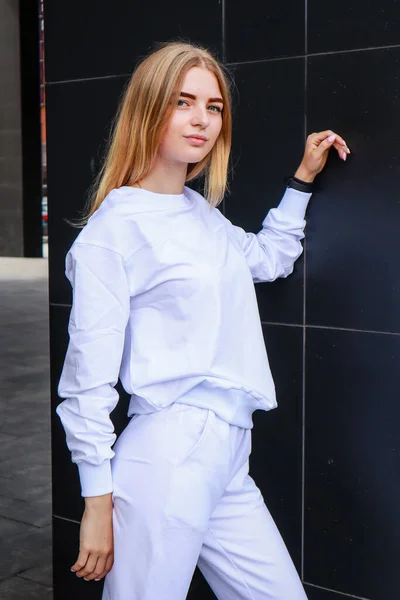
(97, 579)
(85, 579)
(344, 156)
(331, 138)
(72, 571)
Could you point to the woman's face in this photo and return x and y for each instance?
(197, 120)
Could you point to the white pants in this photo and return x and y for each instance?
(183, 496)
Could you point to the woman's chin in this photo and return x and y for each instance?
(195, 157)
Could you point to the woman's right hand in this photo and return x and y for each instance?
(96, 551)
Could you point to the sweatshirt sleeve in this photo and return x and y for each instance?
(273, 251)
(99, 315)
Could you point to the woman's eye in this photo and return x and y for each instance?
(216, 109)
(182, 102)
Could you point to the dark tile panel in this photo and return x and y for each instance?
(344, 25)
(262, 30)
(318, 593)
(67, 501)
(276, 459)
(352, 487)
(78, 120)
(199, 589)
(65, 551)
(353, 243)
(268, 143)
(84, 39)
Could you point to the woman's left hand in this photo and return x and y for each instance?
(316, 153)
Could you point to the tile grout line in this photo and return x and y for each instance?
(83, 79)
(303, 453)
(223, 40)
(306, 26)
(320, 587)
(60, 304)
(313, 54)
(66, 519)
(245, 62)
(283, 324)
(303, 384)
(330, 328)
(353, 330)
(223, 27)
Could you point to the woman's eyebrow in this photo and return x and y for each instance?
(187, 95)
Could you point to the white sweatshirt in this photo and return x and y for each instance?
(163, 297)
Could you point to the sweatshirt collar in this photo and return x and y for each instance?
(155, 200)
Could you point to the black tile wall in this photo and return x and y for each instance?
(199, 589)
(352, 239)
(318, 593)
(276, 459)
(344, 25)
(65, 550)
(351, 444)
(263, 30)
(87, 40)
(266, 149)
(77, 124)
(352, 487)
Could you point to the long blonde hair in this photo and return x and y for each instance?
(145, 109)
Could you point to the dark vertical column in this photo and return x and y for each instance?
(11, 233)
(30, 128)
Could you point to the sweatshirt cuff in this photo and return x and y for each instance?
(96, 480)
(294, 203)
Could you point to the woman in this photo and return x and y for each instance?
(163, 297)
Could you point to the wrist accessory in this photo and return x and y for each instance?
(301, 186)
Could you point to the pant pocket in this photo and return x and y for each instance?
(197, 479)
(188, 427)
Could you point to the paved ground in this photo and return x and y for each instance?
(25, 485)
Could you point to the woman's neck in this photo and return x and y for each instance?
(165, 178)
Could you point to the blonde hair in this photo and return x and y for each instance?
(145, 109)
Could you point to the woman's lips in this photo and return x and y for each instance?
(196, 140)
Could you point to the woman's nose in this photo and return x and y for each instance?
(200, 116)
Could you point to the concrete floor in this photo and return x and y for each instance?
(25, 479)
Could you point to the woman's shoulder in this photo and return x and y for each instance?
(113, 226)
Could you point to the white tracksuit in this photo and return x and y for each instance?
(163, 297)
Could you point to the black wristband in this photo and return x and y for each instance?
(301, 186)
